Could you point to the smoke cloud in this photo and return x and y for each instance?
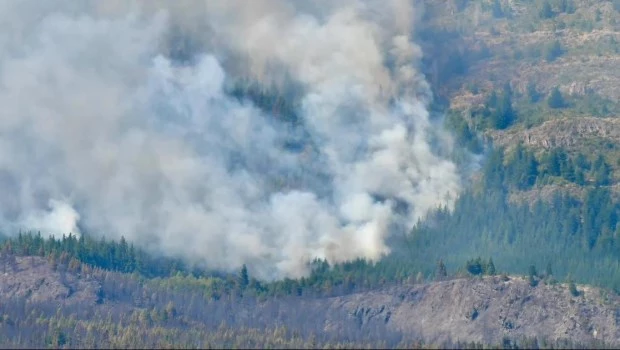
(117, 119)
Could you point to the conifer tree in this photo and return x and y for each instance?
(572, 288)
(548, 270)
(491, 268)
(441, 272)
(244, 278)
(532, 274)
(555, 99)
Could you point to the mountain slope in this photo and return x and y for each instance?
(77, 306)
(487, 310)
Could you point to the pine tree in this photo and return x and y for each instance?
(244, 278)
(497, 10)
(554, 162)
(572, 288)
(555, 99)
(548, 271)
(602, 172)
(491, 268)
(532, 274)
(545, 10)
(553, 51)
(503, 114)
(441, 271)
(532, 93)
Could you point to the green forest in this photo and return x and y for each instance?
(566, 237)
(576, 237)
(560, 239)
(550, 214)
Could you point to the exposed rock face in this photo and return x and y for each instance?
(487, 310)
(547, 192)
(567, 132)
(579, 88)
(34, 279)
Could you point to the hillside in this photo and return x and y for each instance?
(524, 52)
(287, 174)
(489, 309)
(513, 41)
(76, 306)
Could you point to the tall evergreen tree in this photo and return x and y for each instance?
(497, 10)
(555, 99)
(545, 11)
(553, 51)
(532, 92)
(491, 268)
(441, 271)
(532, 274)
(244, 278)
(548, 270)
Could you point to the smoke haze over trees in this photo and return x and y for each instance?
(279, 173)
(120, 118)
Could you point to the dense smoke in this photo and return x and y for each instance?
(117, 119)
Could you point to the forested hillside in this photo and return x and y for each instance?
(59, 304)
(530, 92)
(536, 94)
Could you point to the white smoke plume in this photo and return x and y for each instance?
(102, 128)
(60, 219)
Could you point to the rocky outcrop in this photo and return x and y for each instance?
(566, 132)
(34, 279)
(487, 310)
(547, 192)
